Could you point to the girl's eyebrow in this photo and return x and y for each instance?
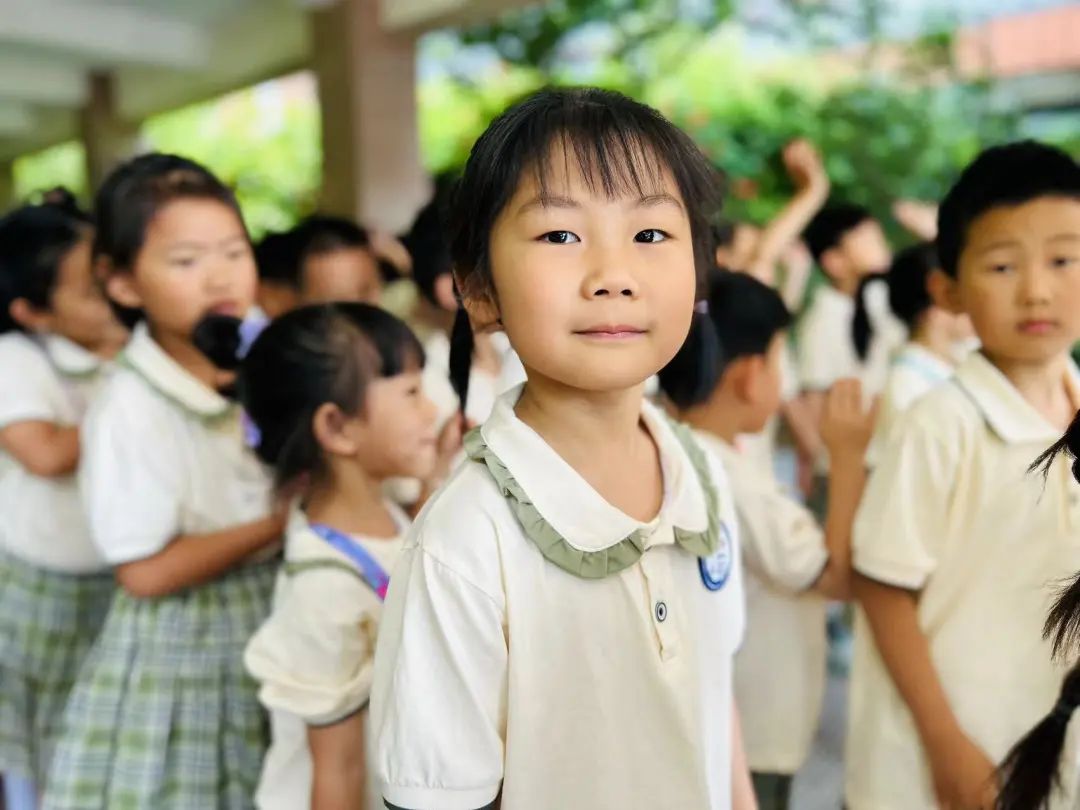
(191, 244)
(557, 201)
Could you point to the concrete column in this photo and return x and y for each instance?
(371, 166)
(107, 138)
(7, 185)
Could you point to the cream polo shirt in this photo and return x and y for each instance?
(314, 656)
(164, 455)
(45, 379)
(952, 513)
(914, 372)
(497, 667)
(826, 349)
(780, 669)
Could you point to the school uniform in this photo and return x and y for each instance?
(780, 669)
(314, 656)
(952, 513)
(538, 641)
(914, 372)
(826, 348)
(164, 714)
(54, 586)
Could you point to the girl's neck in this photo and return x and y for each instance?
(183, 351)
(351, 501)
(1044, 386)
(585, 419)
(935, 341)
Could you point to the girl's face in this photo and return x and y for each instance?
(77, 309)
(395, 433)
(196, 260)
(594, 293)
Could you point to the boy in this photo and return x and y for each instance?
(957, 548)
(322, 259)
(791, 566)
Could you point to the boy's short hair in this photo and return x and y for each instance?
(830, 225)
(1007, 175)
(319, 234)
(747, 314)
(277, 258)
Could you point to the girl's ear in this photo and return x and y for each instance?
(331, 429)
(30, 317)
(483, 312)
(944, 292)
(120, 287)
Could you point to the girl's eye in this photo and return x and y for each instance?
(184, 261)
(559, 238)
(236, 254)
(1000, 267)
(1063, 262)
(651, 235)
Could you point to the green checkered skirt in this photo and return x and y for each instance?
(164, 715)
(48, 621)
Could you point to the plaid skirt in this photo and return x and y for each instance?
(164, 715)
(48, 621)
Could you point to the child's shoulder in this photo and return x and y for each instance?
(127, 401)
(20, 354)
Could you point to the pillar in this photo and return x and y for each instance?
(371, 167)
(107, 138)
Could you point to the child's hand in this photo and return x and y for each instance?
(964, 777)
(803, 164)
(917, 218)
(846, 424)
(448, 445)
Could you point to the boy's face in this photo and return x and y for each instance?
(343, 274)
(1018, 278)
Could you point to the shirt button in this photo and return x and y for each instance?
(661, 611)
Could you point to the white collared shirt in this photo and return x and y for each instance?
(164, 455)
(951, 512)
(44, 379)
(497, 667)
(826, 348)
(914, 372)
(314, 657)
(780, 669)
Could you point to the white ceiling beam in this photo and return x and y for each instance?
(16, 120)
(104, 35)
(39, 80)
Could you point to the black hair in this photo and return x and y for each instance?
(34, 240)
(829, 226)
(320, 233)
(427, 241)
(746, 315)
(325, 353)
(1007, 175)
(1030, 772)
(277, 258)
(133, 194)
(909, 295)
(606, 134)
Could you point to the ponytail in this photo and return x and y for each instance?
(462, 344)
(862, 329)
(694, 371)
(1030, 772)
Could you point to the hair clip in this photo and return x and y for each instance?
(702, 307)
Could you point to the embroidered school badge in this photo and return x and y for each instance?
(716, 568)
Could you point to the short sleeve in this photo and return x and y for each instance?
(313, 657)
(130, 476)
(439, 700)
(781, 540)
(28, 385)
(906, 503)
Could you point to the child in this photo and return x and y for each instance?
(55, 332)
(791, 566)
(335, 392)
(321, 260)
(930, 355)
(958, 550)
(849, 246)
(163, 714)
(561, 624)
(1039, 772)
